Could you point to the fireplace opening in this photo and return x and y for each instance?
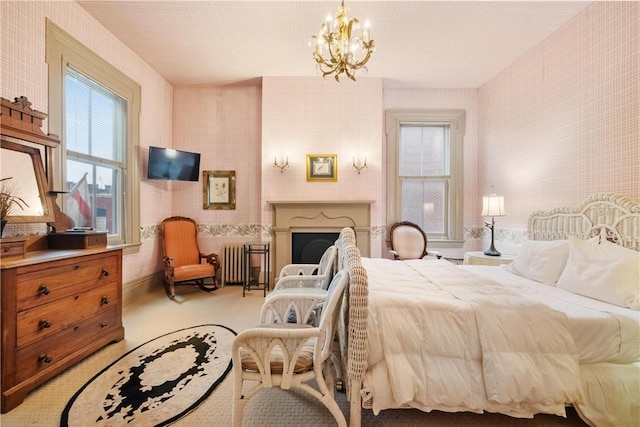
(307, 248)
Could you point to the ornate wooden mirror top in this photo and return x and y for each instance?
(22, 142)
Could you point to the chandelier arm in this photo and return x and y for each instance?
(340, 58)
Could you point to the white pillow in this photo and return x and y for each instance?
(541, 260)
(604, 271)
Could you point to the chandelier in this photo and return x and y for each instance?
(338, 50)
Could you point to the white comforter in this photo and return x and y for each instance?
(443, 338)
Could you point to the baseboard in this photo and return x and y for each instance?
(132, 291)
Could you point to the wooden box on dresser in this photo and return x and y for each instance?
(57, 307)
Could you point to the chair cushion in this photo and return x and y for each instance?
(192, 272)
(408, 242)
(303, 364)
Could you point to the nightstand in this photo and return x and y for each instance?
(479, 258)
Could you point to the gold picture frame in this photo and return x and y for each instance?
(322, 167)
(219, 190)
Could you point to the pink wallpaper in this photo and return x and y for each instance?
(563, 122)
(24, 72)
(314, 116)
(556, 126)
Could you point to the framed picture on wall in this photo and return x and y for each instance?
(219, 190)
(322, 167)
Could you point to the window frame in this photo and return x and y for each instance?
(456, 121)
(62, 51)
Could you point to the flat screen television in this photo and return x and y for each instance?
(174, 165)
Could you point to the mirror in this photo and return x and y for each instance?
(24, 164)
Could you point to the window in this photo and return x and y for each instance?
(424, 182)
(95, 110)
(95, 138)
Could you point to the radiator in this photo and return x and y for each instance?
(233, 268)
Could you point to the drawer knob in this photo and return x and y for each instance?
(105, 273)
(104, 324)
(44, 323)
(104, 300)
(6, 249)
(43, 289)
(44, 358)
(75, 267)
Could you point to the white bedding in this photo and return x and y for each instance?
(456, 339)
(602, 332)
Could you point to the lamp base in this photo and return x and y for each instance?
(492, 252)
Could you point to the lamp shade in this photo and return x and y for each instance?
(493, 205)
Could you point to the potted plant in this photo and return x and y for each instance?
(8, 201)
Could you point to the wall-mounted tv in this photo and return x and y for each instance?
(175, 165)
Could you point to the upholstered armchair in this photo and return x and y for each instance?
(409, 241)
(183, 261)
(290, 356)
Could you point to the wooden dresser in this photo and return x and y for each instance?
(58, 307)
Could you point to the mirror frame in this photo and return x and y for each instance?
(41, 181)
(18, 123)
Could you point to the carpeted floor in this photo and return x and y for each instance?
(155, 315)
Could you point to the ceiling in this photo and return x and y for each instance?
(433, 44)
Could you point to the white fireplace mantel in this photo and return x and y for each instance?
(292, 216)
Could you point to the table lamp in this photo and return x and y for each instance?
(493, 206)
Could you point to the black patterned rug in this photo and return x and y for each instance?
(157, 382)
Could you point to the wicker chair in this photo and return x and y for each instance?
(289, 356)
(183, 259)
(309, 275)
(409, 241)
(298, 281)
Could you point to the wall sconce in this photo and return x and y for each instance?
(359, 163)
(281, 162)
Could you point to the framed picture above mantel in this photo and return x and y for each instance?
(219, 190)
(322, 167)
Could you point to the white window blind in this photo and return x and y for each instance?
(95, 119)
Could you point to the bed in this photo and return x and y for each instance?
(559, 326)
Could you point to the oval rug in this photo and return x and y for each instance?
(157, 382)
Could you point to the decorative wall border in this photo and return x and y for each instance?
(153, 231)
(265, 232)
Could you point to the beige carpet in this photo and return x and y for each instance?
(155, 314)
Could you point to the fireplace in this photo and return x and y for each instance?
(312, 217)
(308, 248)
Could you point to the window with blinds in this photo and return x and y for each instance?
(95, 108)
(95, 120)
(425, 172)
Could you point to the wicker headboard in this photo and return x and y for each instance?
(611, 216)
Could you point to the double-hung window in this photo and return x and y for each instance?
(95, 109)
(424, 182)
(95, 140)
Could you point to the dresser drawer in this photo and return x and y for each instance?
(11, 247)
(46, 353)
(46, 320)
(45, 285)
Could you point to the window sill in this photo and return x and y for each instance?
(436, 244)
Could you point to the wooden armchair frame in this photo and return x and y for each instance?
(183, 260)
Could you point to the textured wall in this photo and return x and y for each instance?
(24, 72)
(558, 125)
(563, 122)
